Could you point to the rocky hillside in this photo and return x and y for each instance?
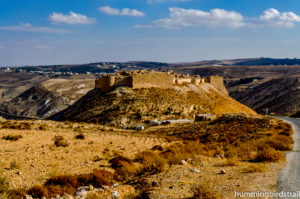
(279, 95)
(13, 84)
(48, 97)
(125, 107)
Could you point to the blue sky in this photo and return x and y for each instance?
(34, 32)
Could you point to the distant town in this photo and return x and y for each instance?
(92, 68)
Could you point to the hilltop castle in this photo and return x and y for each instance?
(149, 79)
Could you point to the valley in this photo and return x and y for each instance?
(145, 133)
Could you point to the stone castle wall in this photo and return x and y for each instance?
(108, 82)
(150, 79)
(153, 79)
(217, 82)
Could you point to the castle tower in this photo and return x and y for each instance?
(105, 83)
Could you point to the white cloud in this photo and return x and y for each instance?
(273, 17)
(27, 27)
(180, 17)
(123, 12)
(27, 42)
(100, 42)
(72, 18)
(41, 46)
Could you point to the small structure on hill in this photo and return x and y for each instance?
(150, 79)
(205, 117)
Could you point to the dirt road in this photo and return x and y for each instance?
(289, 178)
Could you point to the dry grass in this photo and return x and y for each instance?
(232, 161)
(117, 161)
(14, 165)
(16, 125)
(60, 141)
(69, 183)
(37, 192)
(241, 140)
(279, 142)
(269, 154)
(255, 168)
(151, 162)
(204, 192)
(4, 186)
(12, 137)
(124, 167)
(234, 136)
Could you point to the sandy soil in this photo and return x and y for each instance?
(36, 158)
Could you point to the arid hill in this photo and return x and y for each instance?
(126, 107)
(279, 95)
(13, 84)
(258, 87)
(48, 97)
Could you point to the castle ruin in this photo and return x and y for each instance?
(150, 79)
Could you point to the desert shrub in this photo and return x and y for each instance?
(285, 132)
(232, 161)
(12, 137)
(189, 148)
(173, 155)
(65, 180)
(117, 161)
(151, 162)
(80, 136)
(4, 186)
(54, 190)
(279, 142)
(60, 141)
(126, 170)
(14, 165)
(144, 194)
(268, 154)
(96, 178)
(157, 148)
(245, 151)
(43, 128)
(255, 168)
(37, 192)
(58, 185)
(137, 115)
(102, 177)
(124, 167)
(204, 192)
(16, 125)
(16, 194)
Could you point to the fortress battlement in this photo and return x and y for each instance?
(150, 79)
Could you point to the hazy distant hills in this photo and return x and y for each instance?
(99, 67)
(241, 62)
(111, 67)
